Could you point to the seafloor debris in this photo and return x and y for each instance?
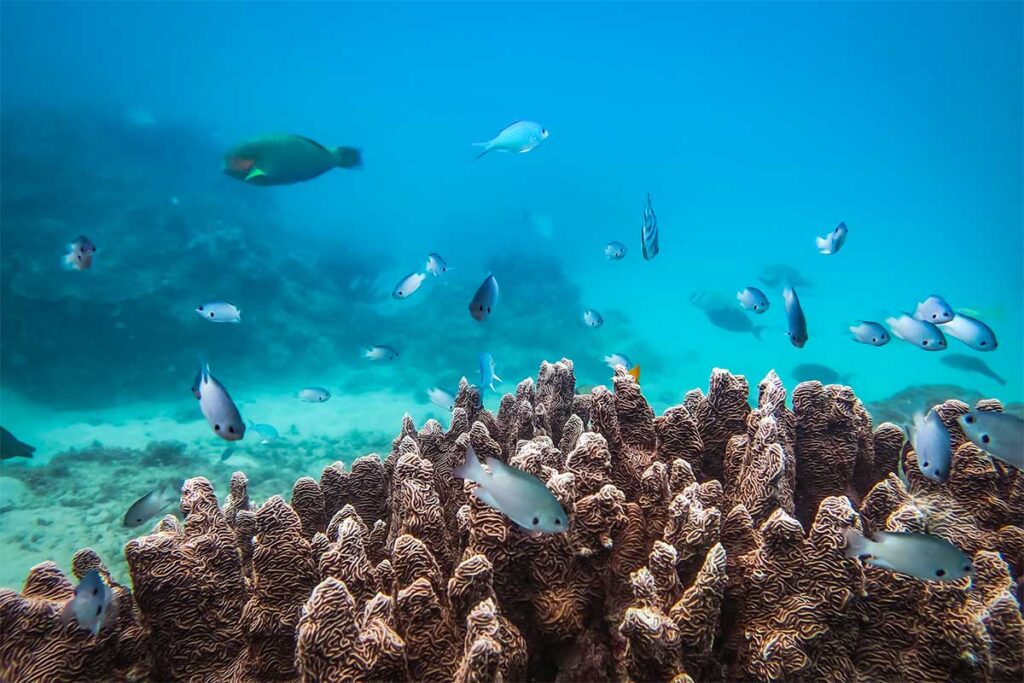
(705, 544)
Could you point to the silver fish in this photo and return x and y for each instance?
(930, 440)
(923, 556)
(795, 319)
(94, 604)
(972, 332)
(436, 265)
(592, 318)
(935, 310)
(868, 332)
(753, 299)
(441, 398)
(150, 505)
(518, 495)
(380, 353)
(314, 394)
(487, 376)
(617, 359)
(521, 137)
(832, 242)
(485, 299)
(999, 434)
(649, 231)
(219, 410)
(615, 251)
(920, 333)
(220, 312)
(408, 285)
(80, 253)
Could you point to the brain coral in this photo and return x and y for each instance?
(705, 544)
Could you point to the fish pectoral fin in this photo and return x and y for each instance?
(255, 173)
(485, 497)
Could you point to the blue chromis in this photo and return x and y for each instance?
(617, 359)
(518, 495)
(220, 312)
(408, 285)
(80, 253)
(520, 137)
(283, 159)
(441, 398)
(920, 333)
(972, 332)
(150, 505)
(869, 332)
(592, 318)
(94, 604)
(797, 323)
(753, 299)
(832, 242)
(649, 231)
(999, 434)
(380, 353)
(935, 310)
(615, 251)
(930, 440)
(487, 376)
(219, 410)
(314, 395)
(436, 265)
(485, 299)
(923, 556)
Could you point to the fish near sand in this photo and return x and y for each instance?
(649, 231)
(518, 495)
(80, 253)
(971, 364)
(93, 605)
(314, 395)
(920, 333)
(935, 310)
(797, 323)
(150, 505)
(283, 159)
(520, 137)
(753, 299)
(11, 447)
(220, 411)
(930, 440)
(972, 332)
(485, 299)
(220, 312)
(408, 285)
(1001, 435)
(870, 333)
(832, 242)
(923, 556)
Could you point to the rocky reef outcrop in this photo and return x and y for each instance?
(705, 544)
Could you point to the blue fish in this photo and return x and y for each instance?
(487, 376)
(832, 242)
(649, 231)
(485, 299)
(795, 318)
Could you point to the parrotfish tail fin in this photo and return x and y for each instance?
(486, 148)
(255, 173)
(348, 157)
(470, 468)
(822, 244)
(856, 544)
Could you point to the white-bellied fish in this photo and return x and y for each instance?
(615, 359)
(972, 332)
(408, 285)
(220, 312)
(592, 318)
(649, 231)
(615, 251)
(923, 556)
(753, 299)
(441, 398)
(267, 432)
(80, 253)
(93, 606)
(518, 495)
(380, 353)
(314, 395)
(934, 309)
(217, 407)
(795, 320)
(999, 434)
(920, 333)
(485, 299)
(832, 242)
(870, 332)
(930, 440)
(150, 505)
(436, 265)
(283, 159)
(487, 375)
(520, 137)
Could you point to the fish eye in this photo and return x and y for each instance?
(968, 568)
(969, 419)
(925, 464)
(216, 428)
(874, 339)
(940, 572)
(231, 429)
(200, 308)
(99, 610)
(985, 438)
(212, 314)
(924, 343)
(536, 521)
(983, 343)
(558, 522)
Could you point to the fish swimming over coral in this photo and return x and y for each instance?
(931, 442)
(487, 374)
(441, 398)
(220, 411)
(920, 333)
(922, 556)
(972, 332)
(150, 505)
(1001, 435)
(485, 299)
(284, 159)
(93, 606)
(796, 322)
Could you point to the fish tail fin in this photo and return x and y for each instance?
(822, 244)
(470, 468)
(347, 157)
(856, 543)
(486, 148)
(757, 330)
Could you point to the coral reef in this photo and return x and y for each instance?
(705, 544)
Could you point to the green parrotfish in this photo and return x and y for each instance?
(283, 159)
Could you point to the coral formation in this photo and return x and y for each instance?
(704, 544)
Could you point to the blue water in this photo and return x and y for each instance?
(754, 127)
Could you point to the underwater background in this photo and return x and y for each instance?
(754, 128)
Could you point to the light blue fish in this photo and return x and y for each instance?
(999, 434)
(920, 333)
(923, 556)
(485, 299)
(518, 495)
(408, 285)
(314, 395)
(441, 398)
(436, 265)
(615, 251)
(380, 353)
(220, 312)
(753, 299)
(267, 432)
(616, 359)
(94, 604)
(520, 137)
(592, 318)
(220, 411)
(797, 323)
(832, 242)
(930, 440)
(972, 332)
(935, 310)
(649, 231)
(487, 376)
(871, 333)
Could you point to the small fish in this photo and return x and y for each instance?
(217, 407)
(487, 376)
(380, 353)
(753, 299)
(283, 159)
(999, 434)
(832, 242)
(10, 447)
(485, 299)
(408, 285)
(868, 332)
(617, 359)
(972, 332)
(930, 440)
(228, 452)
(923, 556)
(795, 319)
(920, 333)
(197, 381)
(436, 265)
(441, 398)
(521, 137)
(94, 604)
(649, 231)
(935, 310)
(806, 372)
(267, 432)
(592, 318)
(733, 320)
(150, 505)
(781, 274)
(615, 251)
(971, 364)
(314, 394)
(518, 495)
(635, 372)
(220, 312)
(80, 253)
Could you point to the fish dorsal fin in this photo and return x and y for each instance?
(313, 142)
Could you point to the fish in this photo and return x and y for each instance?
(11, 447)
(80, 253)
(314, 395)
(487, 376)
(615, 359)
(634, 372)
(920, 333)
(220, 312)
(935, 310)
(930, 440)
(436, 265)
(972, 332)
(284, 159)
(267, 432)
(217, 407)
(380, 353)
(408, 285)
(781, 274)
(592, 318)
(1001, 435)
(518, 495)
(94, 604)
(806, 372)
(615, 251)
(197, 381)
(521, 137)
(869, 332)
(753, 299)
(441, 398)
(649, 231)
(923, 556)
(150, 505)
(732, 320)
(228, 452)
(797, 323)
(832, 242)
(971, 364)
(485, 299)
